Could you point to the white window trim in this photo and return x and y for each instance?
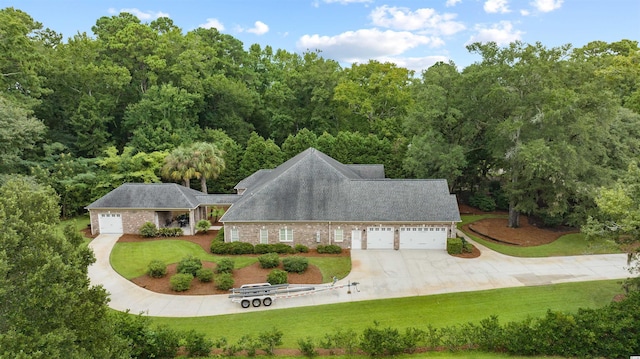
(286, 234)
(338, 235)
(235, 235)
(264, 239)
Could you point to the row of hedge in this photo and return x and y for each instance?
(239, 248)
(149, 230)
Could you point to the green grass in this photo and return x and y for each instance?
(510, 304)
(567, 245)
(130, 259)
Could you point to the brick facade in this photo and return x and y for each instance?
(313, 234)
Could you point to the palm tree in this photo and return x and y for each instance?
(178, 167)
(207, 161)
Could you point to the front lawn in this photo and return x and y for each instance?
(130, 259)
(510, 304)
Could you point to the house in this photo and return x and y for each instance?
(311, 199)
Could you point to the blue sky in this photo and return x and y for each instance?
(412, 33)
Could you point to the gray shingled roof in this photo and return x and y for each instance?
(157, 196)
(314, 187)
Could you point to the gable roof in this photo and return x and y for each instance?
(157, 196)
(315, 187)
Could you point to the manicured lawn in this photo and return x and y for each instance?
(509, 304)
(567, 245)
(130, 259)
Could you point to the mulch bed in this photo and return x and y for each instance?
(250, 274)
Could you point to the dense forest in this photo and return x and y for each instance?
(532, 129)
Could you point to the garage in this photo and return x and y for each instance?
(423, 238)
(380, 238)
(110, 223)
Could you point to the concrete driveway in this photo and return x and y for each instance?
(380, 274)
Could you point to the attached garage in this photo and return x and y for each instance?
(423, 238)
(110, 223)
(380, 238)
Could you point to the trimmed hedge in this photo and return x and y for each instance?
(295, 264)
(454, 245)
(204, 275)
(233, 248)
(203, 226)
(224, 281)
(156, 269)
(329, 249)
(170, 232)
(279, 248)
(269, 260)
(277, 276)
(225, 265)
(180, 282)
(189, 265)
(301, 248)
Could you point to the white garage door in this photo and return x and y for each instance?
(379, 238)
(110, 223)
(423, 238)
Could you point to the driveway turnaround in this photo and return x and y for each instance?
(380, 274)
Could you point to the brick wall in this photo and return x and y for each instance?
(131, 219)
(308, 233)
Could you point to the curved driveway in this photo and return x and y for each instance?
(380, 274)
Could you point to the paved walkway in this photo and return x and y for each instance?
(380, 274)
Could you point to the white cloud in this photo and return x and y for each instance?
(525, 12)
(547, 5)
(365, 44)
(259, 28)
(425, 19)
(501, 33)
(495, 6)
(450, 3)
(213, 23)
(142, 15)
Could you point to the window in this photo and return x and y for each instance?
(235, 235)
(264, 236)
(286, 235)
(338, 235)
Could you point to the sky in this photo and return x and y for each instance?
(414, 34)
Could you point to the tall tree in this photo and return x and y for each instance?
(177, 166)
(19, 131)
(208, 161)
(260, 154)
(48, 309)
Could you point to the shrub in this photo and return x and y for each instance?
(197, 344)
(224, 281)
(329, 249)
(180, 282)
(203, 226)
(231, 248)
(156, 269)
(204, 275)
(170, 232)
(483, 202)
(148, 230)
(220, 235)
(301, 248)
(225, 265)
(295, 264)
(263, 248)
(346, 340)
(307, 347)
(376, 341)
(270, 340)
(277, 276)
(282, 248)
(454, 245)
(269, 260)
(189, 265)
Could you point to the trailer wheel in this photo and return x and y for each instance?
(245, 304)
(256, 302)
(267, 301)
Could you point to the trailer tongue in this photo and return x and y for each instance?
(265, 293)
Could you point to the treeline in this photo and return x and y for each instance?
(529, 128)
